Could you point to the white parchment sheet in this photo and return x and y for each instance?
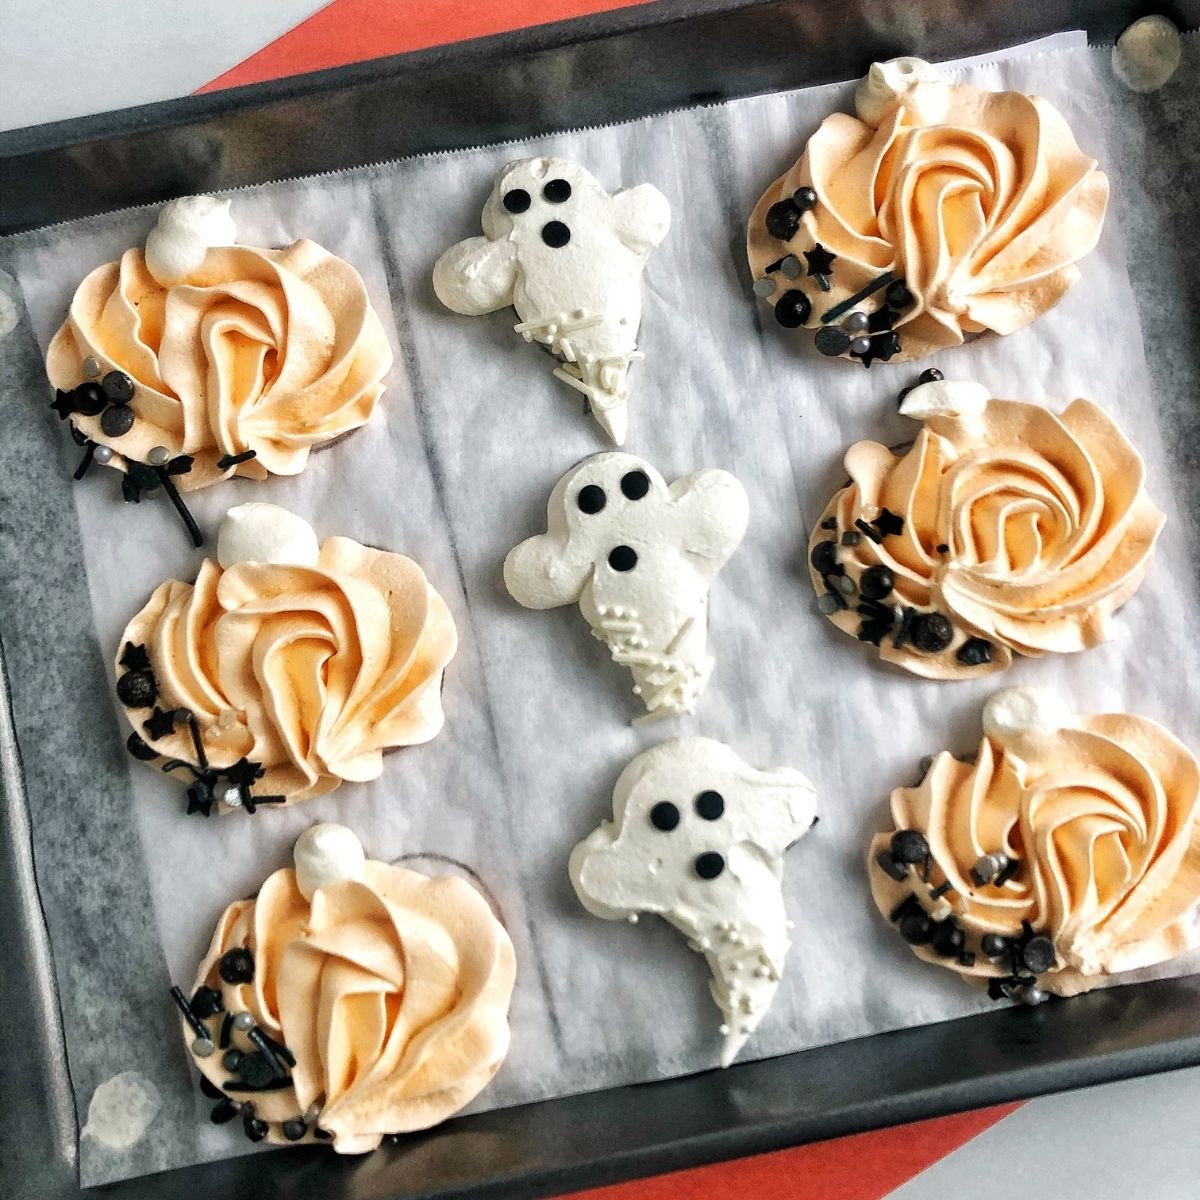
(458, 467)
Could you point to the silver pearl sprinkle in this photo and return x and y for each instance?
(312, 1113)
(243, 1021)
(860, 345)
(764, 287)
(103, 455)
(202, 1047)
(846, 585)
(827, 604)
(1032, 996)
(856, 322)
(790, 267)
(91, 367)
(232, 796)
(159, 456)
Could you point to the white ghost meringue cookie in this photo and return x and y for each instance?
(1017, 712)
(638, 556)
(266, 533)
(327, 853)
(187, 229)
(887, 80)
(697, 838)
(568, 256)
(945, 398)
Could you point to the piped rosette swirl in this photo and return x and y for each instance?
(1004, 529)
(349, 1000)
(285, 668)
(1067, 851)
(938, 212)
(216, 358)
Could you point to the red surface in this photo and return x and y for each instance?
(864, 1167)
(350, 31)
(867, 1166)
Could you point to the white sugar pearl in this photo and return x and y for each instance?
(1147, 54)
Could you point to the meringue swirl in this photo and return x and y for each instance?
(1024, 529)
(275, 351)
(390, 991)
(1101, 816)
(313, 672)
(981, 202)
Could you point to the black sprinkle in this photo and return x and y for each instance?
(869, 530)
(829, 523)
(851, 537)
(846, 305)
(1009, 871)
(974, 652)
(906, 620)
(226, 1032)
(136, 746)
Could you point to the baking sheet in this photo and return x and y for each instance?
(474, 434)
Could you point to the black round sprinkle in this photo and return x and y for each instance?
(294, 1129)
(136, 689)
(236, 965)
(254, 1128)
(622, 558)
(635, 484)
(710, 805)
(116, 420)
(931, 632)
(909, 846)
(664, 815)
(792, 308)
(876, 582)
(948, 939)
(1038, 955)
(231, 1060)
(207, 1002)
(89, 399)
(136, 745)
(320, 1133)
(974, 652)
(993, 945)
(783, 219)
(118, 387)
(709, 864)
(898, 295)
(557, 190)
(516, 201)
(824, 558)
(930, 375)
(210, 1089)
(555, 234)
(224, 1112)
(804, 198)
(915, 928)
(832, 340)
(591, 499)
(254, 1070)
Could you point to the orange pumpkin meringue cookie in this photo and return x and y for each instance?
(939, 211)
(349, 1000)
(287, 667)
(1066, 852)
(217, 359)
(1004, 529)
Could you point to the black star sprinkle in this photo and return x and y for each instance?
(135, 658)
(886, 346)
(888, 523)
(244, 773)
(160, 724)
(820, 264)
(62, 404)
(199, 798)
(180, 465)
(873, 631)
(881, 320)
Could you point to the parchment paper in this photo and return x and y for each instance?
(473, 436)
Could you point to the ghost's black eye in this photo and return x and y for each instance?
(557, 190)
(622, 558)
(708, 865)
(517, 201)
(710, 805)
(635, 484)
(591, 499)
(664, 815)
(555, 234)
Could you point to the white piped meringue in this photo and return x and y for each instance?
(187, 229)
(887, 80)
(327, 853)
(945, 398)
(1016, 712)
(266, 533)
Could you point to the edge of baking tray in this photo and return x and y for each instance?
(627, 64)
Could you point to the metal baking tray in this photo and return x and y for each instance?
(590, 71)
